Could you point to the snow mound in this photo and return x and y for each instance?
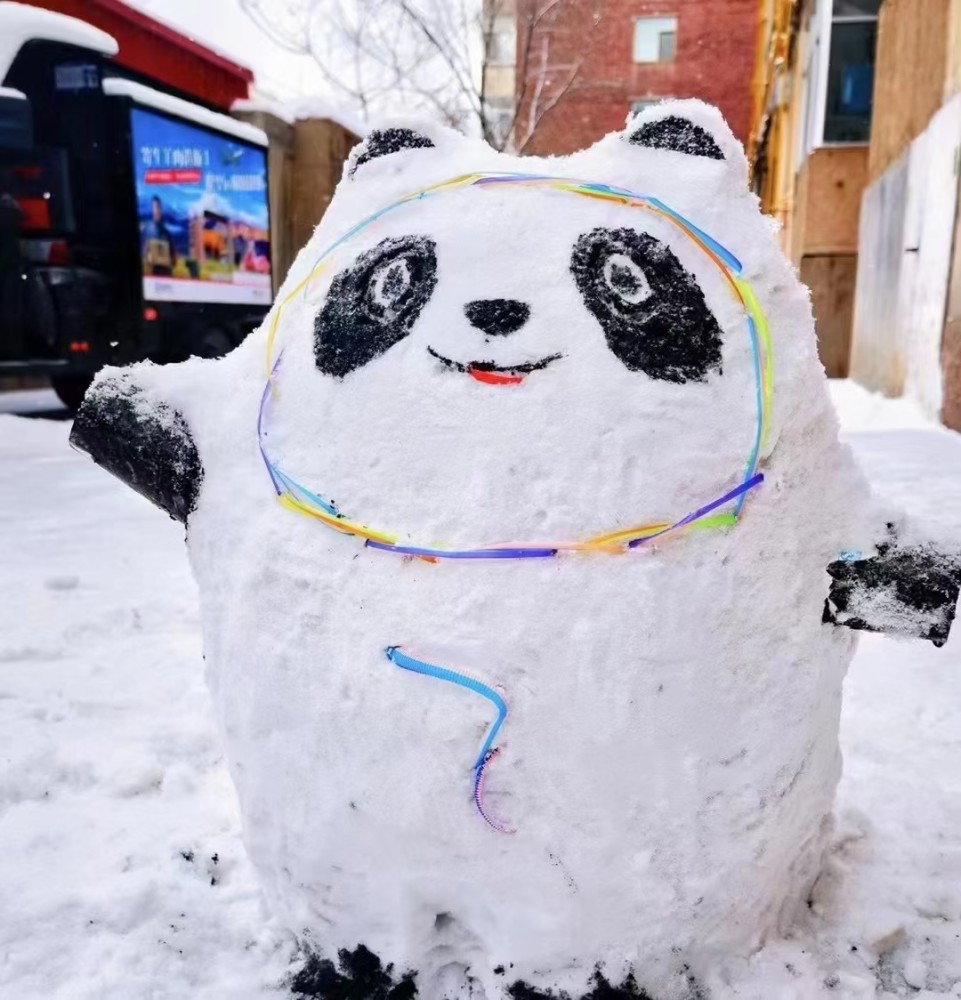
(549, 360)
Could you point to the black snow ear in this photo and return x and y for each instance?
(384, 142)
(146, 445)
(902, 591)
(678, 135)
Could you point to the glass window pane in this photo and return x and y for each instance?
(648, 35)
(665, 50)
(647, 102)
(856, 8)
(850, 82)
(503, 42)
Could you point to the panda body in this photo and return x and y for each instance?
(669, 792)
(670, 754)
(510, 365)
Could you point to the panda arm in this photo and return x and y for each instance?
(909, 590)
(129, 429)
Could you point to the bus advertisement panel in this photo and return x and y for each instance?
(202, 208)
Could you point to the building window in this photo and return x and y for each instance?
(850, 77)
(502, 42)
(500, 117)
(844, 9)
(647, 102)
(655, 39)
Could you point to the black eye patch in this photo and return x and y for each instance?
(652, 311)
(374, 303)
(678, 135)
(384, 141)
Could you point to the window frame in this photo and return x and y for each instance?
(641, 104)
(812, 123)
(655, 17)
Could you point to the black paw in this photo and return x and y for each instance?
(358, 975)
(902, 591)
(149, 447)
(601, 989)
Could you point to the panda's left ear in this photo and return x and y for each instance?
(386, 142)
(690, 129)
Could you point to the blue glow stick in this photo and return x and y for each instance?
(416, 550)
(748, 484)
(401, 659)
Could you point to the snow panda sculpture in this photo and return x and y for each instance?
(524, 541)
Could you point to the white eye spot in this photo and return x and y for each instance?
(389, 283)
(626, 279)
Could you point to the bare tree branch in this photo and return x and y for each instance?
(437, 56)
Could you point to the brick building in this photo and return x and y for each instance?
(583, 66)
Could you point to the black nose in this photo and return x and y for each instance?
(497, 317)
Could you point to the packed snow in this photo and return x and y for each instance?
(671, 755)
(671, 786)
(116, 86)
(115, 799)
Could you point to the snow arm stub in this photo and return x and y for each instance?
(903, 590)
(144, 442)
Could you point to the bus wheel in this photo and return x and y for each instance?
(70, 389)
(213, 344)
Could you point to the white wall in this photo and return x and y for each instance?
(904, 260)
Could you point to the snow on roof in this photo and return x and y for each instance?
(305, 107)
(117, 87)
(20, 23)
(151, 15)
(9, 92)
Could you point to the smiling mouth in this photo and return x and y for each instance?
(494, 374)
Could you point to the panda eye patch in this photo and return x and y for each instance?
(652, 311)
(373, 304)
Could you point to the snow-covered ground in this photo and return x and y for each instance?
(122, 872)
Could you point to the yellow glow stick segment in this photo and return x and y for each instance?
(275, 322)
(341, 524)
(767, 354)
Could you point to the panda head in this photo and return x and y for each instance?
(514, 356)
(649, 307)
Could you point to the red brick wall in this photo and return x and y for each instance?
(714, 60)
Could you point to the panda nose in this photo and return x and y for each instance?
(497, 317)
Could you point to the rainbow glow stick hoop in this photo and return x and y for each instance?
(302, 500)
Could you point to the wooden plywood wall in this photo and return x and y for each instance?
(320, 149)
(831, 280)
(828, 201)
(911, 75)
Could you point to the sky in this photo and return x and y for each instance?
(223, 26)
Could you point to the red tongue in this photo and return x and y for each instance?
(495, 378)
